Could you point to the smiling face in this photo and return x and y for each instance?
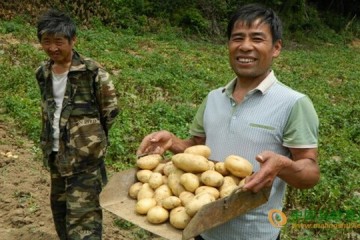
(57, 47)
(251, 50)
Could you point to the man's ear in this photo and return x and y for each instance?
(73, 40)
(277, 48)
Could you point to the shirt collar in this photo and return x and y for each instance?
(263, 87)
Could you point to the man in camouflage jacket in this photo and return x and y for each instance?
(89, 110)
(85, 104)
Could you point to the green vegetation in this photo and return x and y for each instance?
(162, 78)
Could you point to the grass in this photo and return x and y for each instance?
(161, 79)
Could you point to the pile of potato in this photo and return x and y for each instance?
(175, 190)
(9, 155)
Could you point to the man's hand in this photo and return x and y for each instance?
(155, 143)
(302, 171)
(270, 165)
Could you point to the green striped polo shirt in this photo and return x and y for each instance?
(271, 117)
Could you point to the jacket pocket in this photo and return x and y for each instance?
(86, 141)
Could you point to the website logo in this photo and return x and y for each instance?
(277, 218)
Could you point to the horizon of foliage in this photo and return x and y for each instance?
(302, 19)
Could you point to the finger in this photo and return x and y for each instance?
(158, 150)
(248, 182)
(247, 179)
(260, 158)
(141, 148)
(144, 145)
(254, 182)
(167, 145)
(155, 137)
(254, 186)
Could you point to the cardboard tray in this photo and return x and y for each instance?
(115, 198)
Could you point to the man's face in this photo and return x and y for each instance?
(251, 50)
(57, 47)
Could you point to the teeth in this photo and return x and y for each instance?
(245, 60)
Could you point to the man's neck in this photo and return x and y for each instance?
(245, 85)
(61, 67)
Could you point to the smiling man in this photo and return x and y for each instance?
(79, 105)
(257, 117)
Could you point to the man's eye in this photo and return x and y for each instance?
(237, 39)
(257, 39)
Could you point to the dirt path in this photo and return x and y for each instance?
(24, 200)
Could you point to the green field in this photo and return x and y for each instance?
(162, 78)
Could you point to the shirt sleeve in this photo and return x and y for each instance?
(107, 98)
(197, 126)
(301, 130)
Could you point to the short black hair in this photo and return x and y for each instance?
(250, 13)
(57, 23)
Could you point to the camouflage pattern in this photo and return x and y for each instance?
(75, 204)
(89, 109)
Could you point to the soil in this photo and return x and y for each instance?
(24, 200)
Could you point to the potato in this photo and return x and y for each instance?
(143, 175)
(242, 183)
(159, 168)
(179, 218)
(189, 162)
(149, 162)
(155, 180)
(212, 190)
(171, 202)
(186, 197)
(142, 206)
(211, 165)
(165, 179)
(220, 167)
(197, 202)
(238, 166)
(212, 178)
(201, 150)
(235, 178)
(190, 181)
(157, 215)
(168, 168)
(174, 182)
(145, 192)
(162, 192)
(134, 189)
(230, 183)
(226, 191)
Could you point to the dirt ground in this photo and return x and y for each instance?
(24, 200)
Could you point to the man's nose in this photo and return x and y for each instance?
(246, 44)
(53, 47)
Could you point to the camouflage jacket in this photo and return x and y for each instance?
(88, 111)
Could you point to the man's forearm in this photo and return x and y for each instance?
(302, 173)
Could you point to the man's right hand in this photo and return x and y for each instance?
(155, 143)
